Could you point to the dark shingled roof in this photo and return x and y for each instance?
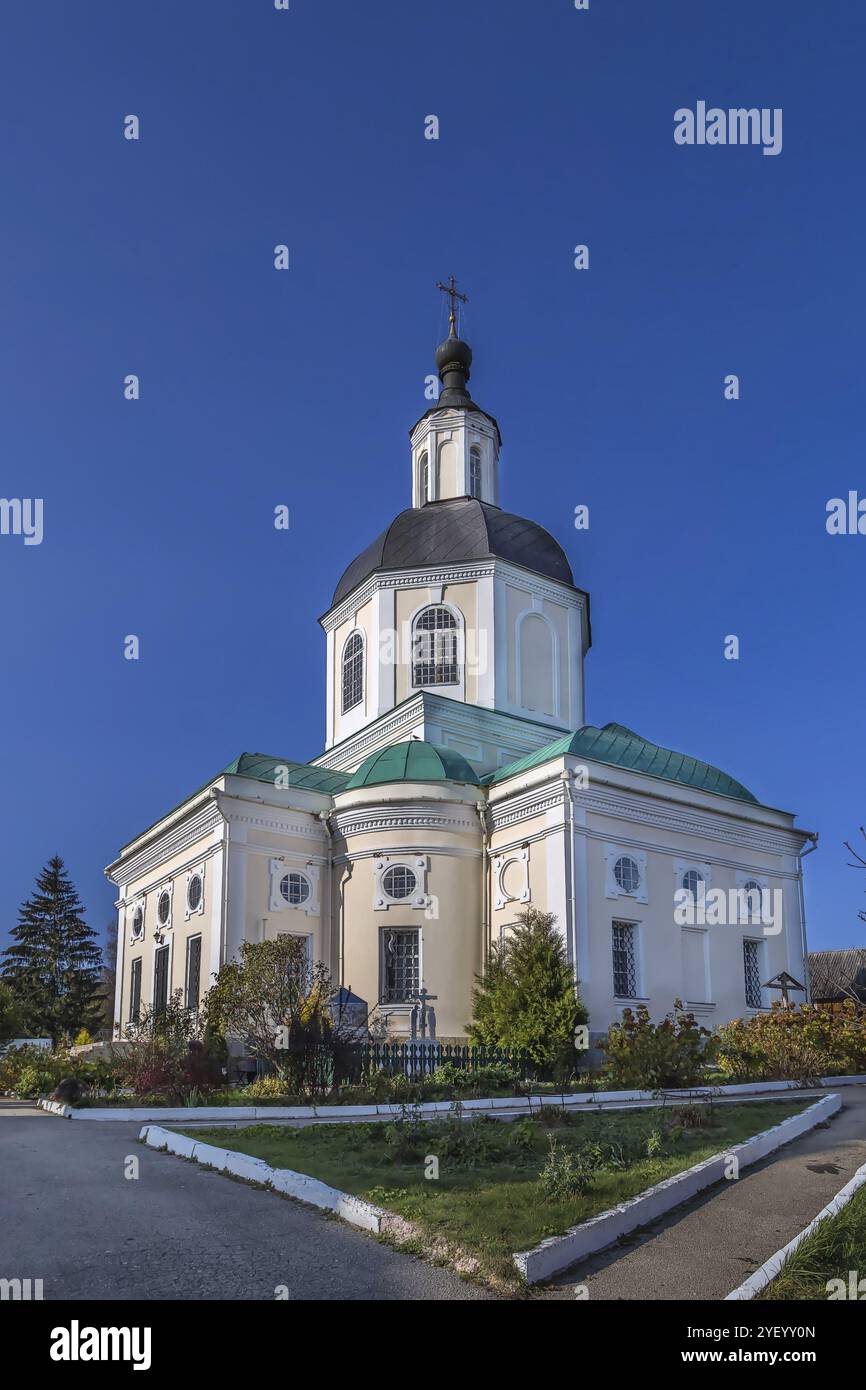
(457, 530)
(837, 975)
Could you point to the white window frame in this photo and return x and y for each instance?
(764, 884)
(760, 945)
(196, 871)
(625, 1000)
(612, 889)
(417, 863)
(398, 1005)
(138, 904)
(476, 455)
(167, 945)
(306, 937)
(132, 963)
(195, 936)
(452, 689)
(684, 866)
(169, 922)
(294, 864)
(360, 703)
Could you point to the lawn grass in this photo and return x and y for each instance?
(835, 1247)
(488, 1200)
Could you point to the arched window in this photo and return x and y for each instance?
(353, 672)
(475, 471)
(425, 477)
(752, 899)
(692, 882)
(434, 648)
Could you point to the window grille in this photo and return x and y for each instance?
(434, 657)
(624, 961)
(474, 472)
(627, 874)
(752, 973)
(401, 966)
(193, 972)
(399, 881)
(353, 672)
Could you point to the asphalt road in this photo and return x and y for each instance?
(708, 1247)
(70, 1217)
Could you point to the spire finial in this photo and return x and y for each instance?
(451, 290)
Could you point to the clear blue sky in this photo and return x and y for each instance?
(260, 388)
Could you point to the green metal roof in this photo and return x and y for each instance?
(622, 747)
(264, 768)
(414, 761)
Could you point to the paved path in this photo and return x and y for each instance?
(68, 1216)
(708, 1247)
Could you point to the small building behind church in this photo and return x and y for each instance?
(459, 784)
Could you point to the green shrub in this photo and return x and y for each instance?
(794, 1044)
(567, 1174)
(527, 997)
(642, 1055)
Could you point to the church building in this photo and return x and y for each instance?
(460, 784)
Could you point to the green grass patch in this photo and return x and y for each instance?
(835, 1247)
(498, 1188)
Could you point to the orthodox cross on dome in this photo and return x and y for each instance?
(454, 294)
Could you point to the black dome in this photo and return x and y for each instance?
(457, 530)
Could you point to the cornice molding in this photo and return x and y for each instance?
(458, 573)
(621, 806)
(172, 842)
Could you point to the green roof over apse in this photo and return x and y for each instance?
(263, 768)
(414, 761)
(622, 747)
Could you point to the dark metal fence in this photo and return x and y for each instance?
(423, 1058)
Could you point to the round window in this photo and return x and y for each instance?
(399, 882)
(163, 906)
(692, 882)
(193, 893)
(295, 889)
(627, 873)
(137, 922)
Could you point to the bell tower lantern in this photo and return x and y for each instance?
(455, 446)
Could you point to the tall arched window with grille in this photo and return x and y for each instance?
(435, 658)
(353, 672)
(425, 477)
(475, 471)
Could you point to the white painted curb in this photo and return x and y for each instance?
(771, 1267)
(305, 1189)
(557, 1253)
(160, 1114)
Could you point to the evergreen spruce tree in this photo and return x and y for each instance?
(54, 967)
(527, 997)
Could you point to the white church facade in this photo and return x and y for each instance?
(460, 784)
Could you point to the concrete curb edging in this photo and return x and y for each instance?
(160, 1114)
(771, 1267)
(305, 1189)
(558, 1253)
